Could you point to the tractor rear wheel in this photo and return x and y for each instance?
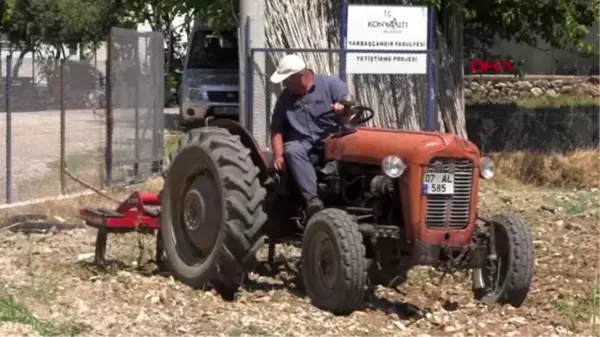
(507, 279)
(212, 216)
(334, 266)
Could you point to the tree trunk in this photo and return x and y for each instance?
(82, 57)
(169, 60)
(449, 74)
(2, 60)
(58, 53)
(19, 63)
(400, 101)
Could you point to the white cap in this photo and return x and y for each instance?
(288, 66)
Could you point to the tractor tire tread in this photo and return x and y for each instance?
(353, 261)
(520, 239)
(521, 265)
(245, 217)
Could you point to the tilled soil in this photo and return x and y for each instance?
(57, 294)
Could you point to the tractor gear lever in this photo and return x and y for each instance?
(348, 102)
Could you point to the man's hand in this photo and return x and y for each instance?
(279, 164)
(278, 161)
(338, 108)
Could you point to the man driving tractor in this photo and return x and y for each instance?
(306, 112)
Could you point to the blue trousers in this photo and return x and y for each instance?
(301, 157)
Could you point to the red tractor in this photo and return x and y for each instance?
(393, 200)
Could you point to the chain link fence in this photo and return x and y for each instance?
(136, 87)
(508, 127)
(320, 62)
(4, 139)
(51, 125)
(399, 101)
(65, 124)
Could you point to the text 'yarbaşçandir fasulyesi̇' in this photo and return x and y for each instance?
(399, 44)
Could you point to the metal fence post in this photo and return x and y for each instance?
(8, 129)
(343, 38)
(136, 55)
(250, 92)
(109, 111)
(63, 159)
(158, 137)
(245, 93)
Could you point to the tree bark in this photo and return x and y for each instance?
(449, 73)
(400, 101)
(82, 57)
(19, 63)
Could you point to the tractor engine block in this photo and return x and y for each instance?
(361, 189)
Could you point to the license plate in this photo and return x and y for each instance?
(226, 110)
(438, 183)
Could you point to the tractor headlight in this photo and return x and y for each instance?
(393, 166)
(487, 168)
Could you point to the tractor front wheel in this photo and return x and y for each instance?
(334, 267)
(506, 279)
(212, 217)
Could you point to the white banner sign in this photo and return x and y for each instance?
(381, 27)
(386, 63)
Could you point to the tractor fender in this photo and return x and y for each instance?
(256, 153)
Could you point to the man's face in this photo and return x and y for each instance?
(296, 83)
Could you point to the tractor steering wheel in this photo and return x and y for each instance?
(351, 108)
(359, 111)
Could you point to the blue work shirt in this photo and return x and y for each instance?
(310, 118)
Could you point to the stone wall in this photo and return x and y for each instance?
(509, 88)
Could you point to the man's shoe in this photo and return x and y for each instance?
(313, 206)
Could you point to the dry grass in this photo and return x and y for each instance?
(577, 169)
(47, 290)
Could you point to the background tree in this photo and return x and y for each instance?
(160, 15)
(6, 9)
(60, 23)
(217, 13)
(23, 30)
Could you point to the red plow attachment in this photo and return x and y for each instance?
(140, 212)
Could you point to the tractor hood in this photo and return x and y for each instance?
(371, 145)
